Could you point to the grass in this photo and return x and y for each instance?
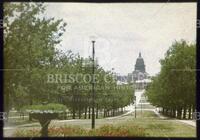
(156, 127)
(164, 128)
(18, 121)
(147, 121)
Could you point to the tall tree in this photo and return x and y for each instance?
(174, 87)
(29, 48)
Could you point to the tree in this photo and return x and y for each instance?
(29, 48)
(30, 53)
(174, 87)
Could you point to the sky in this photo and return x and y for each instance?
(122, 30)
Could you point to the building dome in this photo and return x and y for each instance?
(139, 66)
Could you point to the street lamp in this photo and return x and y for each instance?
(87, 63)
(135, 105)
(141, 104)
(93, 82)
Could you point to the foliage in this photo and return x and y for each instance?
(106, 130)
(51, 106)
(147, 121)
(29, 50)
(174, 87)
(30, 42)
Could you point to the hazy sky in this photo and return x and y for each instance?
(124, 30)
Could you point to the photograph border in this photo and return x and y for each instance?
(110, 1)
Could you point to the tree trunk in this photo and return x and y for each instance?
(79, 113)
(174, 113)
(171, 113)
(167, 112)
(6, 106)
(104, 113)
(97, 112)
(179, 113)
(163, 111)
(193, 111)
(73, 113)
(89, 112)
(184, 112)
(189, 112)
(85, 113)
(30, 118)
(64, 115)
(113, 112)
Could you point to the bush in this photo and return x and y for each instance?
(106, 130)
(110, 130)
(27, 133)
(48, 107)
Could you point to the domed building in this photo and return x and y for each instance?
(139, 73)
(139, 66)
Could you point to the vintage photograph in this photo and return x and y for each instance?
(99, 69)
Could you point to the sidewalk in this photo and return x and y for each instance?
(189, 122)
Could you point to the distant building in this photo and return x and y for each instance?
(142, 84)
(140, 72)
(139, 77)
(121, 80)
(139, 66)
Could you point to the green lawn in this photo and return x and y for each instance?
(147, 120)
(156, 127)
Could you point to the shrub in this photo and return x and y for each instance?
(48, 107)
(110, 130)
(27, 133)
(106, 130)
